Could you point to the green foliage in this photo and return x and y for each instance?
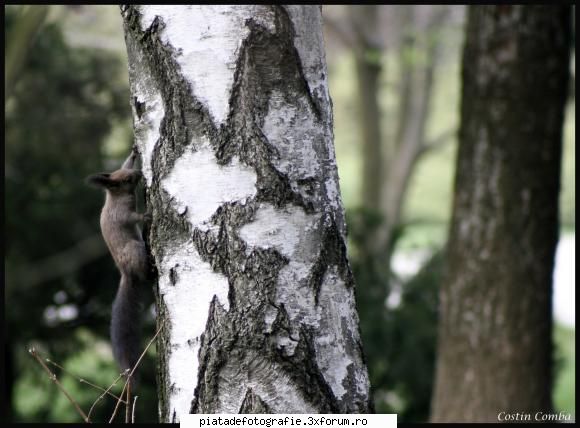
(373, 56)
(39, 399)
(372, 278)
(399, 342)
(61, 110)
(412, 335)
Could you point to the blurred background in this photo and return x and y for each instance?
(394, 75)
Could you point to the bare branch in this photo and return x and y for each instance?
(119, 400)
(81, 380)
(106, 392)
(128, 405)
(53, 377)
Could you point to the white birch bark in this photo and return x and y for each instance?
(233, 120)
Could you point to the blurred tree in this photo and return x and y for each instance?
(495, 335)
(388, 163)
(59, 277)
(367, 49)
(419, 55)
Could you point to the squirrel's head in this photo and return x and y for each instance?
(120, 181)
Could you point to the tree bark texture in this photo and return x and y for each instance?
(233, 120)
(495, 333)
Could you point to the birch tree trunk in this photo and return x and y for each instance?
(233, 120)
(495, 331)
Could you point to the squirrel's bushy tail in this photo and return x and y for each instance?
(125, 323)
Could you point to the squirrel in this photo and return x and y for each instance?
(123, 237)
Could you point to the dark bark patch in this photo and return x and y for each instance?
(302, 368)
(139, 107)
(185, 115)
(173, 275)
(284, 23)
(163, 341)
(332, 253)
(217, 342)
(253, 404)
(267, 62)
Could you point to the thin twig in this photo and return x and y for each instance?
(53, 377)
(104, 393)
(119, 401)
(135, 368)
(128, 405)
(133, 413)
(146, 348)
(81, 380)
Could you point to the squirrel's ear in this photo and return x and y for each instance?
(99, 180)
(130, 161)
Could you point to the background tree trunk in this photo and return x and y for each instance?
(233, 120)
(388, 163)
(417, 81)
(367, 55)
(495, 334)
